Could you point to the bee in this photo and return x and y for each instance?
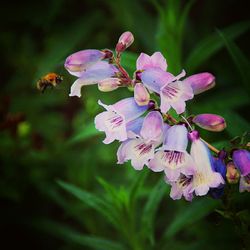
(50, 80)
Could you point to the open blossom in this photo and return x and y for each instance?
(140, 148)
(183, 186)
(113, 121)
(89, 67)
(172, 157)
(241, 159)
(173, 92)
(205, 176)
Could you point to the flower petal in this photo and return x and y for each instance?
(129, 108)
(82, 60)
(155, 78)
(152, 127)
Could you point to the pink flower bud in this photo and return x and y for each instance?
(232, 174)
(210, 122)
(141, 94)
(108, 84)
(200, 82)
(82, 60)
(125, 40)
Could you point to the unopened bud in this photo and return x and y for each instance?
(200, 82)
(82, 60)
(125, 40)
(141, 94)
(241, 159)
(210, 122)
(108, 84)
(232, 174)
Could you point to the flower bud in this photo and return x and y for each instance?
(241, 159)
(82, 60)
(200, 82)
(108, 84)
(141, 94)
(210, 122)
(232, 174)
(125, 40)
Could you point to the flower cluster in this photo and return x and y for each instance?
(149, 135)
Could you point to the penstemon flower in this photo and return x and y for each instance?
(148, 133)
(113, 121)
(140, 147)
(205, 176)
(172, 157)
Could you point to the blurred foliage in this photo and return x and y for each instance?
(60, 186)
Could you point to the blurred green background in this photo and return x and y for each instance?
(60, 187)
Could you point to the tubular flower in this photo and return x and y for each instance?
(113, 121)
(140, 147)
(181, 187)
(241, 159)
(200, 82)
(82, 60)
(94, 74)
(173, 92)
(205, 176)
(172, 157)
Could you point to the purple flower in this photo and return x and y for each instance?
(172, 157)
(140, 147)
(114, 121)
(83, 60)
(210, 122)
(200, 82)
(88, 66)
(205, 176)
(173, 92)
(181, 187)
(94, 74)
(241, 159)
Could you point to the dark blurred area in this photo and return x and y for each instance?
(49, 137)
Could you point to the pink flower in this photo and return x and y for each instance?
(172, 157)
(89, 67)
(139, 148)
(114, 121)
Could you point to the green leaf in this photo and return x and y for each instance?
(87, 132)
(212, 44)
(70, 235)
(93, 201)
(150, 209)
(240, 60)
(190, 214)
